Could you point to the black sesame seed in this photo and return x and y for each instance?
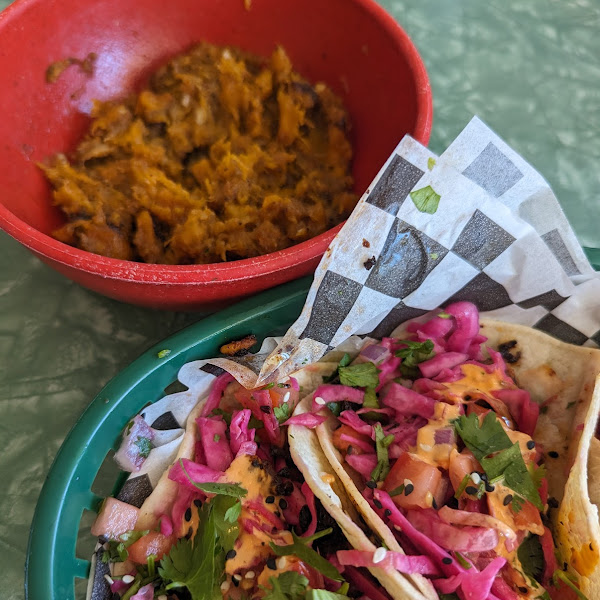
(467, 397)
(349, 450)
(371, 484)
(552, 502)
(387, 512)
(283, 504)
(197, 503)
(523, 589)
(530, 444)
(434, 504)
(277, 513)
(235, 581)
(270, 499)
(285, 488)
(231, 554)
(591, 547)
(266, 409)
(188, 513)
(507, 499)
(256, 462)
(489, 487)
(471, 490)
(483, 476)
(553, 454)
(447, 561)
(190, 533)
(377, 503)
(408, 489)
(271, 563)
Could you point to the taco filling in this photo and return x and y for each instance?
(440, 441)
(237, 520)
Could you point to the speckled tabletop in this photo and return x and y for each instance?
(531, 70)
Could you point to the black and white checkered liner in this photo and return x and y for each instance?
(498, 238)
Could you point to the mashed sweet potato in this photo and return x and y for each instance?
(224, 156)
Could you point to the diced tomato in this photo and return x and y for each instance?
(282, 395)
(425, 479)
(152, 543)
(461, 464)
(342, 445)
(529, 518)
(315, 579)
(115, 518)
(562, 592)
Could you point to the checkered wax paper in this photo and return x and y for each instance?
(498, 238)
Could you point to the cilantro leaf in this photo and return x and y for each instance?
(199, 564)
(531, 556)
(301, 549)
(370, 400)
(426, 200)
(430, 163)
(287, 586)
(382, 442)
(223, 489)
(482, 440)
(232, 514)
(360, 375)
(145, 445)
(344, 362)
(412, 355)
(314, 594)
(510, 465)
(282, 413)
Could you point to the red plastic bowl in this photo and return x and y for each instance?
(353, 45)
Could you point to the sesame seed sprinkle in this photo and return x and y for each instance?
(286, 397)
(128, 578)
(476, 478)
(237, 577)
(281, 562)
(379, 555)
(225, 586)
(250, 575)
(319, 401)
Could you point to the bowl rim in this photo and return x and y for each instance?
(158, 274)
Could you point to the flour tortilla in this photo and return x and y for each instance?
(560, 376)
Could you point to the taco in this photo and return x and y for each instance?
(231, 516)
(465, 448)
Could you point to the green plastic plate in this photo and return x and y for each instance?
(58, 564)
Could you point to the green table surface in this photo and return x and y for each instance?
(529, 68)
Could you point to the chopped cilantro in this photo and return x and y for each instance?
(282, 413)
(370, 399)
(426, 200)
(164, 353)
(219, 412)
(485, 439)
(222, 489)
(444, 315)
(464, 563)
(531, 556)
(463, 486)
(232, 514)
(301, 549)
(199, 565)
(510, 464)
(397, 491)
(412, 355)
(293, 586)
(361, 375)
(216, 437)
(344, 362)
(287, 586)
(430, 163)
(268, 386)
(144, 445)
(383, 462)
(335, 408)
(564, 577)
